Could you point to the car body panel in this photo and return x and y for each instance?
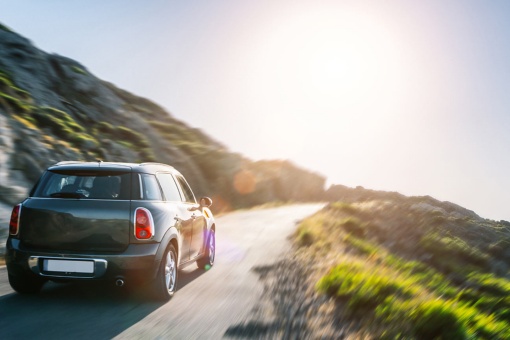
(71, 224)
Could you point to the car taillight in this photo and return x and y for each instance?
(14, 223)
(144, 224)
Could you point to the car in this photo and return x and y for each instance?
(127, 223)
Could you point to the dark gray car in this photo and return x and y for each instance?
(123, 222)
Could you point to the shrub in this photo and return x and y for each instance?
(105, 127)
(437, 320)
(354, 226)
(452, 246)
(16, 104)
(362, 286)
(5, 28)
(343, 206)
(78, 70)
(307, 232)
(134, 137)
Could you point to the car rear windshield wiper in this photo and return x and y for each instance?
(66, 195)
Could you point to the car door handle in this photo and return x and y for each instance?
(193, 216)
(177, 218)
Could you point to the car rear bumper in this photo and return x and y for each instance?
(137, 263)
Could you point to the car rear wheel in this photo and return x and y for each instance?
(207, 261)
(26, 283)
(165, 283)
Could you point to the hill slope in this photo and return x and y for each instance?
(53, 108)
(378, 265)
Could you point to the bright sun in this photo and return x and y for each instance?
(332, 61)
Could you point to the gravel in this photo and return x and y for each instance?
(290, 308)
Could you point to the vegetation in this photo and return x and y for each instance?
(420, 279)
(5, 28)
(78, 70)
(85, 118)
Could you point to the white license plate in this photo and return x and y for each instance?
(66, 266)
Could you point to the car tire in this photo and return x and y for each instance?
(26, 283)
(165, 284)
(207, 261)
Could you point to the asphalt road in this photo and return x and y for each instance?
(204, 307)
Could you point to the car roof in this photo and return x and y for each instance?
(114, 166)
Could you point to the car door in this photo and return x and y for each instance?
(183, 217)
(199, 222)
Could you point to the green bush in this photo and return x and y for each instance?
(5, 28)
(437, 320)
(452, 247)
(16, 104)
(354, 226)
(362, 287)
(135, 138)
(105, 127)
(78, 70)
(343, 206)
(307, 233)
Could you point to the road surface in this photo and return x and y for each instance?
(204, 307)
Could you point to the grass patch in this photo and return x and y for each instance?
(404, 304)
(453, 247)
(17, 105)
(452, 294)
(78, 70)
(64, 127)
(5, 28)
(126, 137)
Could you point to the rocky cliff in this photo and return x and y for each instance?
(53, 108)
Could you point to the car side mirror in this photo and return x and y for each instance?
(205, 202)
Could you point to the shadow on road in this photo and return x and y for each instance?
(188, 275)
(77, 311)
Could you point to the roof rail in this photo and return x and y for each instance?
(154, 163)
(68, 162)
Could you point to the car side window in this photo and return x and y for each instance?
(188, 194)
(169, 187)
(150, 188)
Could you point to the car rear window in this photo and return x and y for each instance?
(89, 185)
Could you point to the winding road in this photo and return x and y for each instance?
(204, 307)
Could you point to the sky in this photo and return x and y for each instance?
(397, 95)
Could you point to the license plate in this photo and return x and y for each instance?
(66, 266)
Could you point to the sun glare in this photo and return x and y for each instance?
(332, 76)
(331, 60)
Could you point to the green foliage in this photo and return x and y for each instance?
(132, 136)
(64, 126)
(362, 288)
(354, 226)
(127, 138)
(5, 28)
(79, 70)
(16, 104)
(363, 246)
(344, 207)
(449, 247)
(407, 303)
(105, 127)
(8, 86)
(307, 233)
(407, 298)
(437, 319)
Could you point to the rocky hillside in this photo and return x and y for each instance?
(53, 108)
(380, 265)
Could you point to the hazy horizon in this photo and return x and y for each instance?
(404, 96)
